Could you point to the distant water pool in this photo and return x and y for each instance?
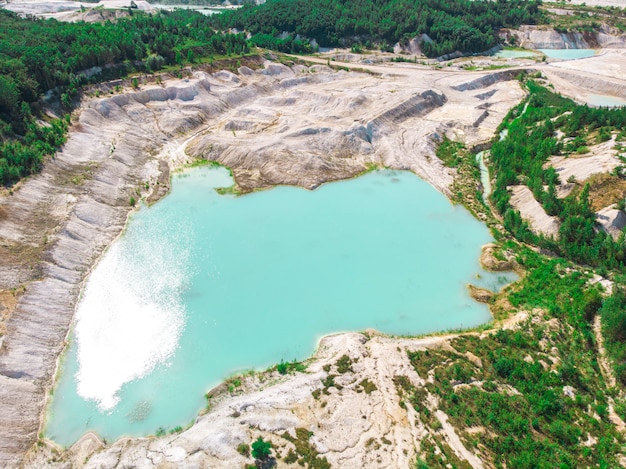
(201, 286)
(514, 54)
(605, 100)
(568, 54)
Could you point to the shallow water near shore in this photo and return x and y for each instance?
(201, 286)
(485, 178)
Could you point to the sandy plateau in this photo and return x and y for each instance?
(272, 124)
(69, 10)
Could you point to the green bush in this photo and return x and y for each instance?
(261, 449)
(154, 62)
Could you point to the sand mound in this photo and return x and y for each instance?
(602, 159)
(522, 199)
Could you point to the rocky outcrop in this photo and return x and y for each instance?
(314, 132)
(415, 106)
(491, 261)
(542, 37)
(482, 295)
(488, 80)
(412, 46)
(612, 220)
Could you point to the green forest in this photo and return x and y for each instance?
(452, 25)
(39, 55)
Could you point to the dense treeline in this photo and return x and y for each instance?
(519, 159)
(39, 55)
(463, 25)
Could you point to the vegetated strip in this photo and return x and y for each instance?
(533, 396)
(520, 158)
(533, 136)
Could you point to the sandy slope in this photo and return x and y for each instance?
(523, 200)
(601, 158)
(578, 79)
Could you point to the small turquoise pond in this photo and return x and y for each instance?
(514, 54)
(604, 100)
(568, 54)
(201, 286)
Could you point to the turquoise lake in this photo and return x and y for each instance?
(201, 286)
(568, 54)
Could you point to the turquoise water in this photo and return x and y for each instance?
(514, 54)
(568, 54)
(201, 286)
(605, 100)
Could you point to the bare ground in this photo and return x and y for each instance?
(523, 200)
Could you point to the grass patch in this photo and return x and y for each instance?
(450, 152)
(244, 449)
(289, 367)
(367, 386)
(605, 189)
(344, 365)
(305, 453)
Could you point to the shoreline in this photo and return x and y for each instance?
(219, 388)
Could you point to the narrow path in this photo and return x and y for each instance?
(605, 367)
(608, 375)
